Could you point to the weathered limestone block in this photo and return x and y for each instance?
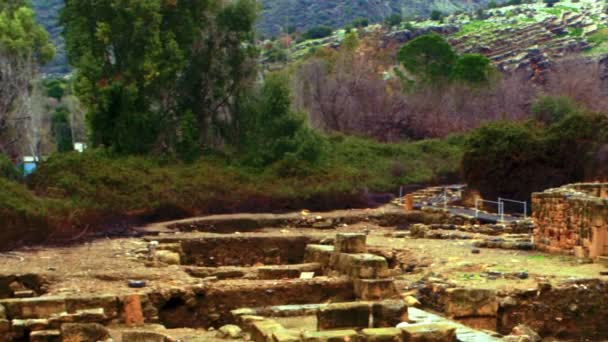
(287, 271)
(419, 230)
(344, 315)
(143, 336)
(84, 332)
(320, 254)
(461, 302)
(46, 336)
(230, 331)
(429, 332)
(261, 331)
(367, 266)
(286, 335)
(34, 307)
(389, 313)
(168, 257)
(382, 335)
(36, 324)
(329, 336)
(375, 289)
(351, 243)
(109, 304)
(80, 316)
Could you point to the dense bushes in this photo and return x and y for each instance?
(514, 159)
(96, 190)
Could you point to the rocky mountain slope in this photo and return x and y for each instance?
(277, 15)
(303, 14)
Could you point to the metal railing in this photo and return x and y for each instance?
(525, 204)
(500, 205)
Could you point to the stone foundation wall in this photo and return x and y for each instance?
(572, 219)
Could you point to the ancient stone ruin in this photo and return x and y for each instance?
(385, 274)
(573, 219)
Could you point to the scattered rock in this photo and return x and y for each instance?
(524, 330)
(230, 332)
(168, 257)
(475, 251)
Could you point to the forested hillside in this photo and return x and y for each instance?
(303, 14)
(47, 13)
(278, 15)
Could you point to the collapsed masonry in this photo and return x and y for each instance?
(572, 219)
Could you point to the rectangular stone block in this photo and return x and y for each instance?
(374, 289)
(286, 335)
(320, 254)
(461, 302)
(368, 266)
(45, 336)
(351, 243)
(41, 307)
(382, 335)
(109, 304)
(330, 336)
(261, 331)
(344, 315)
(429, 332)
(389, 313)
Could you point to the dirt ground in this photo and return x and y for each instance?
(105, 266)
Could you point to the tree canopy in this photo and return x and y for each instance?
(146, 67)
(24, 45)
(428, 57)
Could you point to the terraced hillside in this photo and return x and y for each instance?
(525, 36)
(516, 36)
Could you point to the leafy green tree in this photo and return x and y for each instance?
(473, 69)
(428, 57)
(24, 45)
(550, 3)
(55, 88)
(274, 131)
(143, 64)
(319, 32)
(62, 130)
(436, 15)
(393, 20)
(550, 109)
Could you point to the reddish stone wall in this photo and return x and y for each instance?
(572, 219)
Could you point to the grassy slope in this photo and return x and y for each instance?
(95, 190)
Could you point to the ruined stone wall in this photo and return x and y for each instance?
(575, 310)
(572, 219)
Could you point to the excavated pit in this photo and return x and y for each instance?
(306, 281)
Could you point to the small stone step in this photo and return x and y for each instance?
(45, 336)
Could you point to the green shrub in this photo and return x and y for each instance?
(551, 109)
(515, 159)
(473, 69)
(393, 20)
(319, 32)
(7, 169)
(62, 130)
